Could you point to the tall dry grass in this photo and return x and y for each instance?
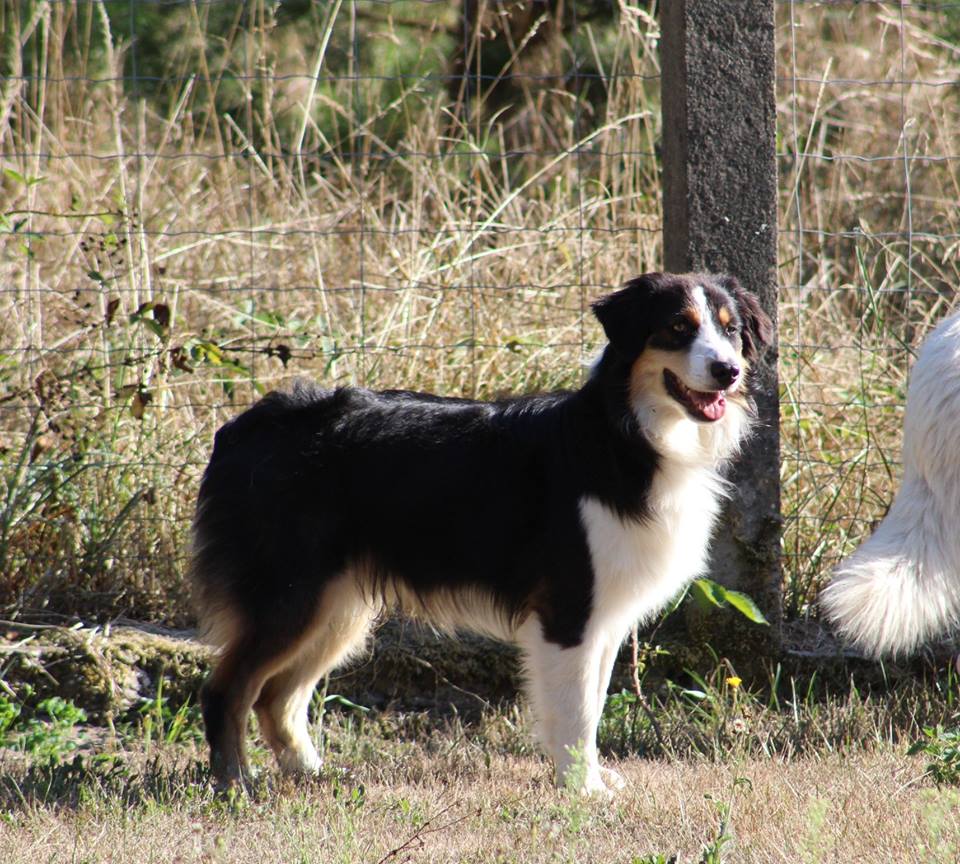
(869, 125)
(276, 201)
(261, 217)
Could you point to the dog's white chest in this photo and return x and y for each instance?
(639, 566)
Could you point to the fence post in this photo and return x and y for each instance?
(720, 214)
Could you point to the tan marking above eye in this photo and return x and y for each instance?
(692, 314)
(724, 316)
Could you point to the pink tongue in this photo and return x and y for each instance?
(711, 405)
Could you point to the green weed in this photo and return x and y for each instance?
(48, 736)
(942, 747)
(159, 723)
(819, 842)
(713, 848)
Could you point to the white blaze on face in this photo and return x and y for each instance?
(709, 347)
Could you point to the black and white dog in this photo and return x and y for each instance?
(555, 521)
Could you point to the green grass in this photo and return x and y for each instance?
(47, 737)
(942, 748)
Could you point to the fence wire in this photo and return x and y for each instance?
(868, 253)
(202, 200)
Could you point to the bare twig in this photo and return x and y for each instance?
(416, 839)
(635, 661)
(635, 679)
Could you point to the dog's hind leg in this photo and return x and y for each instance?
(226, 700)
(282, 709)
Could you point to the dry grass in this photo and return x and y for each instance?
(868, 257)
(860, 806)
(163, 262)
(429, 262)
(732, 775)
(362, 230)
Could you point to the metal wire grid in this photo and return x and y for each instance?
(202, 339)
(847, 323)
(868, 255)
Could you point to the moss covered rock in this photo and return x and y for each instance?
(109, 673)
(112, 672)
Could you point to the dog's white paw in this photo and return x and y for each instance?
(601, 782)
(594, 785)
(613, 780)
(302, 763)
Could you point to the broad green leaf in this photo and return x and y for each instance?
(708, 592)
(745, 606)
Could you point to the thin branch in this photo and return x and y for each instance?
(417, 837)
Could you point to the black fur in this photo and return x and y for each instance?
(440, 494)
(443, 493)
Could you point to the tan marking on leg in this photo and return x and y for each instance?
(343, 620)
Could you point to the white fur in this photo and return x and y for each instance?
(902, 586)
(709, 347)
(639, 566)
(667, 424)
(563, 686)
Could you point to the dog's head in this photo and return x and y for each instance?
(688, 342)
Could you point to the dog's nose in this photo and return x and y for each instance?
(724, 373)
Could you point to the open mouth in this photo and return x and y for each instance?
(707, 407)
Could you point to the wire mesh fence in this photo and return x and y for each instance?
(203, 199)
(868, 128)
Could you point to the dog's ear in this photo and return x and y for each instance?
(625, 314)
(757, 332)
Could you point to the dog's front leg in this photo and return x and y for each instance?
(563, 685)
(611, 647)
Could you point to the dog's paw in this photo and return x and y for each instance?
(594, 786)
(613, 780)
(302, 763)
(600, 782)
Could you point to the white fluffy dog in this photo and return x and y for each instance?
(902, 586)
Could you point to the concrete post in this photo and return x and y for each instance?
(720, 215)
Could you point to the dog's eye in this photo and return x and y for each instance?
(731, 330)
(681, 326)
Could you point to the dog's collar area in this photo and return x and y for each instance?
(705, 407)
